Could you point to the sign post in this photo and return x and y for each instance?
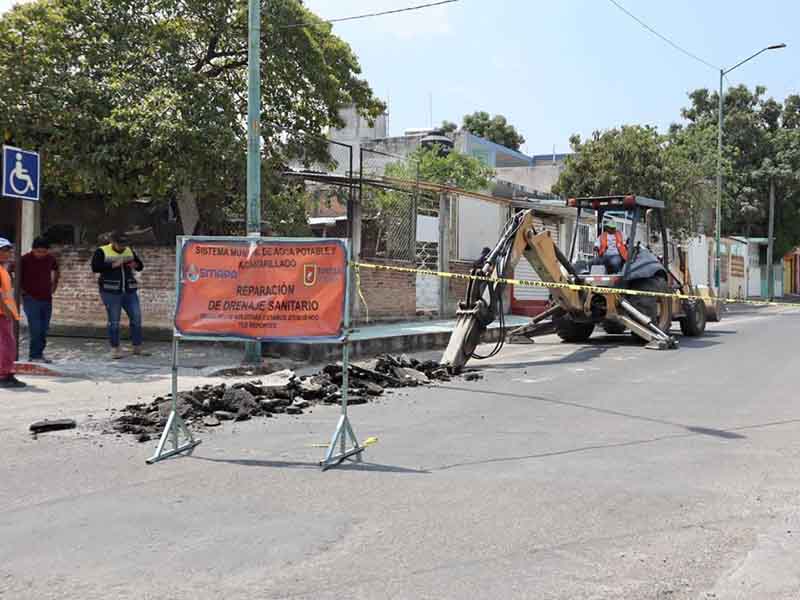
(343, 438)
(175, 428)
(20, 180)
(264, 290)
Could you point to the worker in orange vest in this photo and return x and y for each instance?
(9, 314)
(610, 248)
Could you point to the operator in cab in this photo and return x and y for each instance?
(610, 248)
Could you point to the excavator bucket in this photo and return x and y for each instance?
(466, 336)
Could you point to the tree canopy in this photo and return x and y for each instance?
(497, 129)
(761, 143)
(637, 159)
(454, 169)
(128, 98)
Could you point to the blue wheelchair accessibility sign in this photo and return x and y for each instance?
(20, 173)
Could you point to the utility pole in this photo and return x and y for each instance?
(718, 229)
(252, 354)
(771, 234)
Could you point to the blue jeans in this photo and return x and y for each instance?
(612, 262)
(115, 304)
(38, 313)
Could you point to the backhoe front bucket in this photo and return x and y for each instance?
(467, 333)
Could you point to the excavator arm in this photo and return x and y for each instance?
(483, 302)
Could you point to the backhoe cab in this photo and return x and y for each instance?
(574, 314)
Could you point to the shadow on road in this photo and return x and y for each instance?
(580, 355)
(694, 343)
(285, 464)
(29, 388)
(721, 433)
(597, 346)
(692, 429)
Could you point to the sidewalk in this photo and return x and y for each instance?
(90, 357)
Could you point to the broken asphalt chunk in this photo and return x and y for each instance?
(52, 425)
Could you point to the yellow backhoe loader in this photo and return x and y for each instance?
(574, 314)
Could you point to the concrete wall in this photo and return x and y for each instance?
(480, 224)
(541, 178)
(357, 127)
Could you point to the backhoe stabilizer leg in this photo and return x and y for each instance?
(641, 325)
(539, 325)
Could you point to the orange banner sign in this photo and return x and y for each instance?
(261, 289)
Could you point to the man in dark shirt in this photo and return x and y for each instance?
(39, 282)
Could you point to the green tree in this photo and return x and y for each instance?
(448, 127)
(759, 145)
(431, 165)
(638, 160)
(128, 97)
(497, 129)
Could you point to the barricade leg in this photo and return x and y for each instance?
(175, 429)
(344, 444)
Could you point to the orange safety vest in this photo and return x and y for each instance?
(623, 250)
(7, 296)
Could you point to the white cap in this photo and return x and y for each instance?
(4, 242)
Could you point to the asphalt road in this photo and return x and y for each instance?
(593, 471)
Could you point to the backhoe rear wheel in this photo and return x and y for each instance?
(571, 331)
(658, 308)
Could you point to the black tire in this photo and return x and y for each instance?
(659, 309)
(694, 323)
(613, 328)
(716, 315)
(571, 331)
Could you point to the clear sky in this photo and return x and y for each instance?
(564, 66)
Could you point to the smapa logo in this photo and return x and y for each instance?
(310, 275)
(194, 274)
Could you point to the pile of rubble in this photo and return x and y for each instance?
(279, 393)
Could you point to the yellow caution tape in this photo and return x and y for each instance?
(569, 286)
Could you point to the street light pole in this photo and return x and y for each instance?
(771, 233)
(718, 229)
(252, 352)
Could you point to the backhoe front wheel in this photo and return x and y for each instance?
(694, 323)
(571, 331)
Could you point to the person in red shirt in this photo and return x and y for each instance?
(39, 282)
(8, 315)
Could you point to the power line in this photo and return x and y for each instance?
(375, 14)
(663, 37)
